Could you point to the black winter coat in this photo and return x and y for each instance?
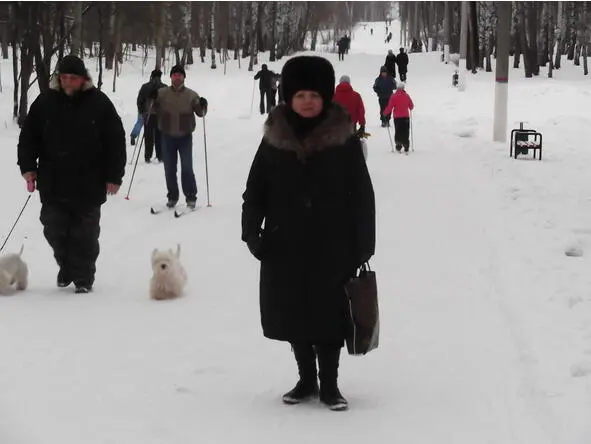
(402, 60)
(384, 86)
(316, 199)
(143, 97)
(267, 79)
(75, 144)
(390, 65)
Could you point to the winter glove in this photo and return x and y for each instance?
(203, 102)
(361, 132)
(255, 245)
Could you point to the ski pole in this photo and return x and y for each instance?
(390, 137)
(252, 99)
(206, 167)
(17, 219)
(138, 153)
(412, 139)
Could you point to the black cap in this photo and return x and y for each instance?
(72, 64)
(156, 73)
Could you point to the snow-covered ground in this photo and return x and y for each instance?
(486, 323)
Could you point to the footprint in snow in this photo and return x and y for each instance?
(581, 369)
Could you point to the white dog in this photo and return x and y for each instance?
(14, 274)
(169, 277)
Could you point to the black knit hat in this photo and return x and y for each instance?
(178, 69)
(310, 73)
(71, 64)
(156, 73)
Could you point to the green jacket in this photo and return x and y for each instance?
(176, 110)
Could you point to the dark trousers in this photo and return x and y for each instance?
(383, 104)
(402, 131)
(402, 75)
(152, 137)
(341, 55)
(266, 98)
(328, 362)
(73, 234)
(172, 149)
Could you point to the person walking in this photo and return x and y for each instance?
(72, 146)
(402, 61)
(145, 109)
(176, 106)
(401, 105)
(267, 82)
(384, 86)
(310, 186)
(390, 64)
(351, 100)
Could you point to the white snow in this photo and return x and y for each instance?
(486, 322)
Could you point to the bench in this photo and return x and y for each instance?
(523, 140)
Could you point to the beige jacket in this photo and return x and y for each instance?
(176, 110)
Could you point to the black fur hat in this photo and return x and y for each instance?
(72, 64)
(309, 73)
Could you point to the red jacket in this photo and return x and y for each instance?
(400, 103)
(351, 101)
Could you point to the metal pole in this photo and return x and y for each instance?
(502, 72)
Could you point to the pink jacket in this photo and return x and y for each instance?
(400, 103)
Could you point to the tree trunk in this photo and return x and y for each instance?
(253, 40)
(160, 45)
(5, 29)
(77, 46)
(14, 39)
(558, 35)
(212, 29)
(463, 47)
(446, 32)
(272, 55)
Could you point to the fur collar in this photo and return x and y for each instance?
(332, 131)
(54, 83)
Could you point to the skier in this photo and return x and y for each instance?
(347, 44)
(390, 64)
(152, 134)
(176, 106)
(401, 104)
(371, 31)
(383, 86)
(72, 144)
(310, 185)
(266, 79)
(402, 61)
(351, 100)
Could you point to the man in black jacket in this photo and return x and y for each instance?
(266, 79)
(402, 61)
(72, 144)
(152, 135)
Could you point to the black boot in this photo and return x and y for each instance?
(328, 360)
(307, 386)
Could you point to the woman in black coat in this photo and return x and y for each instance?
(310, 186)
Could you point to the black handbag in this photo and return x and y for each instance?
(364, 317)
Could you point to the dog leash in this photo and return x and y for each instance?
(16, 222)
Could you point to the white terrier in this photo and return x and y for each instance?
(14, 273)
(169, 276)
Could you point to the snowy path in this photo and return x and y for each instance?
(485, 321)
